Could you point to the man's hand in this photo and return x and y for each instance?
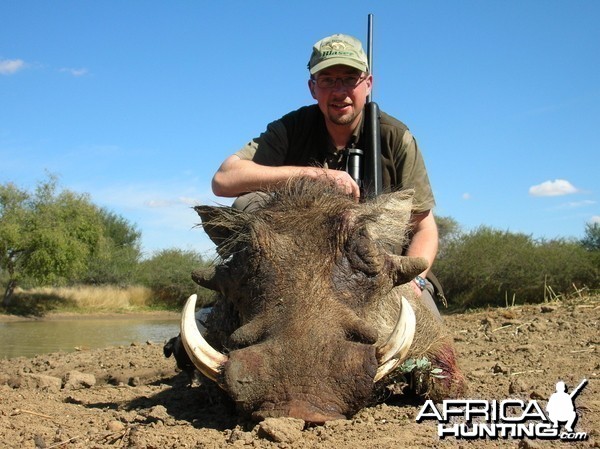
(340, 179)
(345, 183)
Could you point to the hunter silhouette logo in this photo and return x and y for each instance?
(561, 405)
(510, 418)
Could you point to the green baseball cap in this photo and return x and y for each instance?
(338, 49)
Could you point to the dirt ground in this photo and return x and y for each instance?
(133, 397)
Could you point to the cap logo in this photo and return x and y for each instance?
(334, 45)
(335, 48)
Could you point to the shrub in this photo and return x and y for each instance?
(168, 274)
(566, 265)
(491, 267)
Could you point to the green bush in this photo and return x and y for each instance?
(491, 267)
(168, 274)
(566, 265)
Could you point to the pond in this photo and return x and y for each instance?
(30, 338)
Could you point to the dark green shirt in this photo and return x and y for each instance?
(300, 138)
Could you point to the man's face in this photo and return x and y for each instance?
(340, 104)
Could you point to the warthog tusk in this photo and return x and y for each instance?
(204, 357)
(394, 350)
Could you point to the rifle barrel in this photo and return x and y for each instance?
(370, 49)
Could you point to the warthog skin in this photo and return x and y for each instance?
(309, 287)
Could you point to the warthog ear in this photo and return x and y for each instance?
(390, 217)
(221, 224)
(214, 277)
(212, 222)
(405, 268)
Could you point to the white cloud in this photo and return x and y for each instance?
(160, 210)
(578, 204)
(466, 196)
(188, 200)
(75, 72)
(164, 202)
(595, 219)
(158, 203)
(10, 66)
(558, 187)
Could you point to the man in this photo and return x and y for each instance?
(315, 140)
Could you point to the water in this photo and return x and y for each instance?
(30, 338)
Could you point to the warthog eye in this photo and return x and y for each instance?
(368, 338)
(357, 330)
(365, 256)
(249, 334)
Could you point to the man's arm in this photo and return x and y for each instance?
(424, 242)
(237, 176)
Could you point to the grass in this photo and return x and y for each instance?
(81, 299)
(101, 297)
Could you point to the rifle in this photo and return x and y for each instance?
(369, 179)
(577, 390)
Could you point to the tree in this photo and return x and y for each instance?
(46, 235)
(118, 253)
(13, 220)
(448, 229)
(591, 241)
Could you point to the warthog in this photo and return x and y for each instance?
(314, 314)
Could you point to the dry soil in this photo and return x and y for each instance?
(133, 397)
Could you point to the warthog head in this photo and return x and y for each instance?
(312, 310)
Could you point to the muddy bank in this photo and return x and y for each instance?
(132, 396)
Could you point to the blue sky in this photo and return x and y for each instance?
(138, 102)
